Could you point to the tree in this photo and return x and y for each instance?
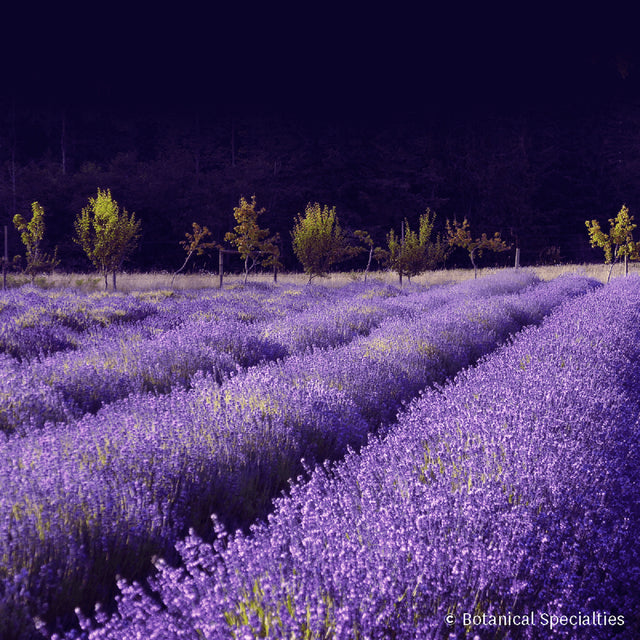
(318, 240)
(194, 244)
(271, 250)
(414, 252)
(107, 235)
(253, 243)
(367, 240)
(31, 234)
(459, 235)
(618, 242)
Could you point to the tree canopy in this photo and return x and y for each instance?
(32, 234)
(618, 242)
(318, 240)
(459, 235)
(415, 252)
(106, 234)
(254, 244)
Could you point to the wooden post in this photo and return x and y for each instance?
(220, 266)
(517, 263)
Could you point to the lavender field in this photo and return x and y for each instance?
(447, 455)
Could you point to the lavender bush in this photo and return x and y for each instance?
(166, 353)
(173, 337)
(101, 495)
(512, 491)
(35, 323)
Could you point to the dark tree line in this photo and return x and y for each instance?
(533, 174)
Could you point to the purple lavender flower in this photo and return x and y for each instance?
(100, 495)
(513, 489)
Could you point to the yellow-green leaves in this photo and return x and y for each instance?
(107, 235)
(253, 243)
(318, 240)
(459, 235)
(414, 251)
(195, 243)
(31, 234)
(619, 241)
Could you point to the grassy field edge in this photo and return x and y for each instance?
(164, 280)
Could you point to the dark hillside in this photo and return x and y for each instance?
(526, 124)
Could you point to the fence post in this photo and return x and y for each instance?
(517, 264)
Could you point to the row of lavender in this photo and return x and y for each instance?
(512, 492)
(170, 342)
(36, 323)
(101, 495)
(164, 349)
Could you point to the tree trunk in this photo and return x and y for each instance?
(626, 264)
(366, 271)
(114, 280)
(182, 267)
(610, 270)
(473, 262)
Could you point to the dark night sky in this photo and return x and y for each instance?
(552, 76)
(310, 61)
